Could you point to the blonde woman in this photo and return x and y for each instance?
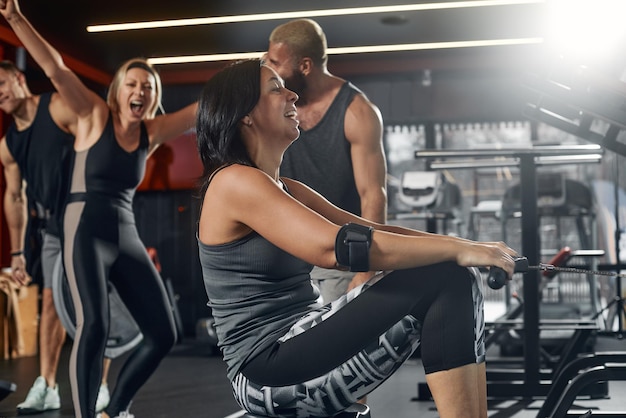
(101, 243)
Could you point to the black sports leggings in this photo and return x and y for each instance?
(101, 243)
(348, 348)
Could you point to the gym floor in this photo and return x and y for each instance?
(191, 382)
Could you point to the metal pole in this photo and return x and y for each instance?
(531, 249)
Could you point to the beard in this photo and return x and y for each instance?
(296, 83)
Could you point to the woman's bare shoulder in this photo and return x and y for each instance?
(239, 178)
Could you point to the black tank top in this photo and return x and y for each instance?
(108, 170)
(43, 153)
(320, 157)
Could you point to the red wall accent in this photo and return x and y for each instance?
(174, 165)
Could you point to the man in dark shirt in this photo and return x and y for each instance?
(340, 151)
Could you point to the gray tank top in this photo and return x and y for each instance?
(256, 292)
(320, 157)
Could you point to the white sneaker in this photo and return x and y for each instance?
(123, 414)
(103, 398)
(126, 414)
(40, 398)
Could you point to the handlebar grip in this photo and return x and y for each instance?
(497, 277)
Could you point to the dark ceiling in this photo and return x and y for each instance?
(63, 23)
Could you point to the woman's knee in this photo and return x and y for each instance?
(460, 275)
(460, 282)
(161, 339)
(93, 329)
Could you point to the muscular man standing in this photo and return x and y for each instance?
(339, 152)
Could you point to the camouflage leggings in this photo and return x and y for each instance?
(347, 380)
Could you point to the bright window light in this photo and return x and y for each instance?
(589, 29)
(305, 14)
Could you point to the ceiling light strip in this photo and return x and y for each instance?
(305, 14)
(183, 59)
(352, 50)
(433, 45)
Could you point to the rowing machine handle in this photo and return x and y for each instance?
(497, 277)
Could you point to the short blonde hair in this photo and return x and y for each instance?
(305, 38)
(118, 79)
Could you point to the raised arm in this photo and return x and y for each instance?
(15, 213)
(80, 99)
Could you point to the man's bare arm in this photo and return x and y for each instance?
(15, 210)
(364, 130)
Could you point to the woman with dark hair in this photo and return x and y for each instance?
(100, 239)
(259, 236)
